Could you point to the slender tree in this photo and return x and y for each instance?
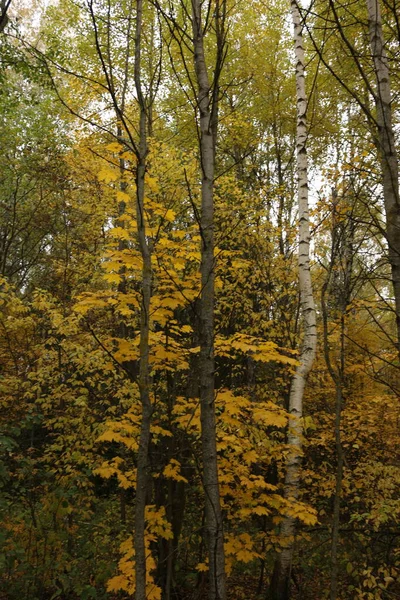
(280, 584)
(387, 148)
(136, 141)
(338, 283)
(380, 124)
(4, 6)
(207, 102)
(144, 377)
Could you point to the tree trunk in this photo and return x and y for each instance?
(280, 583)
(387, 149)
(339, 480)
(339, 282)
(4, 5)
(142, 474)
(214, 526)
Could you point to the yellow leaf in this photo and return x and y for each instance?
(107, 174)
(172, 471)
(117, 583)
(172, 302)
(152, 183)
(157, 430)
(250, 457)
(87, 303)
(119, 233)
(113, 278)
(169, 215)
(107, 472)
(122, 196)
(261, 510)
(153, 592)
(114, 147)
(245, 555)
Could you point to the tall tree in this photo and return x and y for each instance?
(280, 584)
(338, 283)
(387, 148)
(144, 373)
(356, 81)
(207, 104)
(136, 142)
(4, 6)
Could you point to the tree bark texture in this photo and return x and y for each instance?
(280, 583)
(142, 473)
(4, 6)
(214, 525)
(387, 149)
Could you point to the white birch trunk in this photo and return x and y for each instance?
(280, 584)
(387, 149)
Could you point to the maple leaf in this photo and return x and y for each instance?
(107, 174)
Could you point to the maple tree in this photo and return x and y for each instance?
(152, 323)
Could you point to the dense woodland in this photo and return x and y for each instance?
(199, 299)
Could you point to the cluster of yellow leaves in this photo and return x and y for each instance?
(125, 305)
(173, 471)
(259, 349)
(371, 583)
(126, 479)
(157, 526)
(239, 548)
(242, 441)
(168, 352)
(126, 432)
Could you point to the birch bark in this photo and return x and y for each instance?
(387, 149)
(280, 584)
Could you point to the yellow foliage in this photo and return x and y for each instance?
(89, 301)
(157, 524)
(169, 215)
(119, 233)
(107, 174)
(239, 548)
(172, 471)
(157, 430)
(113, 278)
(108, 469)
(122, 196)
(152, 183)
(114, 147)
(125, 581)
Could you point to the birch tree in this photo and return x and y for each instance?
(387, 148)
(380, 122)
(280, 584)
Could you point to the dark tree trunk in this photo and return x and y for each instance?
(207, 110)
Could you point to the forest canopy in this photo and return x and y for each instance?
(199, 300)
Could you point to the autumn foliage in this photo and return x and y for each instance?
(72, 308)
